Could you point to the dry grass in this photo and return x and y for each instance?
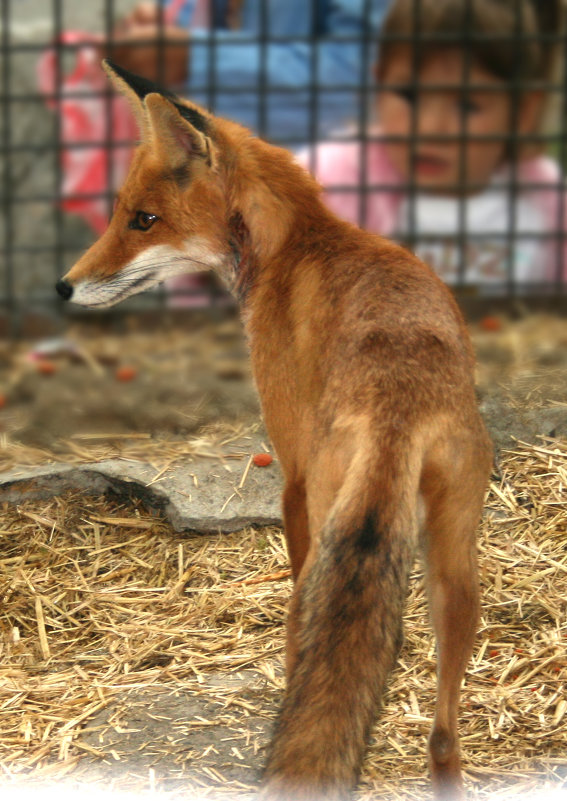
(105, 608)
(163, 453)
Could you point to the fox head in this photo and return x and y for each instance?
(169, 217)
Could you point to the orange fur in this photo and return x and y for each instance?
(365, 372)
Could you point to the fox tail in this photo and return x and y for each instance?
(348, 618)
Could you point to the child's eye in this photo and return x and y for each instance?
(468, 106)
(407, 93)
(143, 221)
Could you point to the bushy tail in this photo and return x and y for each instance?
(349, 610)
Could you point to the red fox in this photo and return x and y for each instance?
(365, 372)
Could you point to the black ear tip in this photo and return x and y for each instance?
(111, 65)
(141, 86)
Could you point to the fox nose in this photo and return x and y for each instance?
(64, 289)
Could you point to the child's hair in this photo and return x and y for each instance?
(500, 36)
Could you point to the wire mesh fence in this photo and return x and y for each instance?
(440, 124)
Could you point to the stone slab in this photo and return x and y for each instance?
(207, 493)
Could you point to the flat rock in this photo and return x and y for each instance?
(222, 492)
(225, 491)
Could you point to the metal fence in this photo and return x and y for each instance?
(303, 75)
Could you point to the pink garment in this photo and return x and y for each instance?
(552, 202)
(83, 108)
(92, 166)
(339, 164)
(201, 15)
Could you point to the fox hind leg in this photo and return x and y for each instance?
(452, 584)
(296, 524)
(296, 528)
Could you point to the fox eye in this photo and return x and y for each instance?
(143, 221)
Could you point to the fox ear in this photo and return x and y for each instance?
(179, 132)
(129, 85)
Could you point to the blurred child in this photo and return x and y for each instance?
(454, 168)
(253, 61)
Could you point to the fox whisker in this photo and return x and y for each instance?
(155, 266)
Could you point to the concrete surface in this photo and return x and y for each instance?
(223, 494)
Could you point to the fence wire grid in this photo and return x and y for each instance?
(353, 91)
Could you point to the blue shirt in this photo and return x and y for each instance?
(293, 72)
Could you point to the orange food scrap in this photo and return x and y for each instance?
(125, 373)
(45, 367)
(262, 459)
(491, 324)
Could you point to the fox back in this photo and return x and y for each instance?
(365, 374)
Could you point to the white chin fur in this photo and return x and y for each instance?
(148, 269)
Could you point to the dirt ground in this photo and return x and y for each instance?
(91, 394)
(171, 381)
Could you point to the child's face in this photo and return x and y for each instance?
(435, 163)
